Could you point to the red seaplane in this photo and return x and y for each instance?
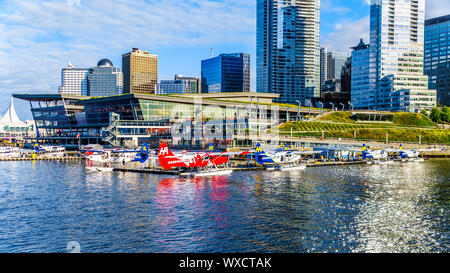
(169, 160)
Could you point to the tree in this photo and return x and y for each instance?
(435, 115)
(445, 114)
(424, 112)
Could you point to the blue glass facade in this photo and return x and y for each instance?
(226, 73)
(437, 57)
(105, 81)
(361, 96)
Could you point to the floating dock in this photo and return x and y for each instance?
(235, 169)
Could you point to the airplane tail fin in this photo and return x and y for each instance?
(210, 147)
(37, 147)
(163, 153)
(259, 149)
(364, 148)
(286, 147)
(143, 155)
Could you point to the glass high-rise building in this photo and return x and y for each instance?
(396, 56)
(437, 56)
(323, 66)
(226, 73)
(335, 62)
(288, 49)
(140, 72)
(179, 85)
(361, 96)
(105, 80)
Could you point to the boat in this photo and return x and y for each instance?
(207, 173)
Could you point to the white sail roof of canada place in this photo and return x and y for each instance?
(10, 115)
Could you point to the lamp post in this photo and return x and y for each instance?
(332, 108)
(321, 107)
(343, 106)
(298, 111)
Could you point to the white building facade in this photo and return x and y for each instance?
(396, 55)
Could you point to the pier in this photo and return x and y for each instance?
(239, 168)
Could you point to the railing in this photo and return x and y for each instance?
(134, 123)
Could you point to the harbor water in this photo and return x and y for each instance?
(358, 208)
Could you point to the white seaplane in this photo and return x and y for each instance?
(107, 157)
(411, 155)
(9, 152)
(49, 151)
(280, 159)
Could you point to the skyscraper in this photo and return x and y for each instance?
(105, 80)
(437, 56)
(288, 49)
(179, 85)
(323, 66)
(335, 62)
(396, 56)
(140, 72)
(226, 73)
(361, 95)
(74, 81)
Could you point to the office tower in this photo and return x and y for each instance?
(346, 76)
(361, 95)
(288, 49)
(226, 73)
(323, 67)
(335, 62)
(194, 83)
(396, 56)
(437, 57)
(140, 72)
(179, 85)
(74, 81)
(105, 80)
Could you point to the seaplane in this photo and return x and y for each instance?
(9, 152)
(109, 156)
(208, 160)
(375, 156)
(49, 151)
(411, 155)
(280, 159)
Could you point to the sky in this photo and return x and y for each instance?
(39, 37)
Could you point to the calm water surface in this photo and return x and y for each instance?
(385, 208)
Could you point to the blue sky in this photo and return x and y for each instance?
(39, 37)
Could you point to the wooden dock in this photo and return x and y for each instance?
(235, 169)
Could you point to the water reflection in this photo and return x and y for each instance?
(396, 215)
(376, 208)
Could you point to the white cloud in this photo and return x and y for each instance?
(38, 38)
(347, 34)
(436, 8)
